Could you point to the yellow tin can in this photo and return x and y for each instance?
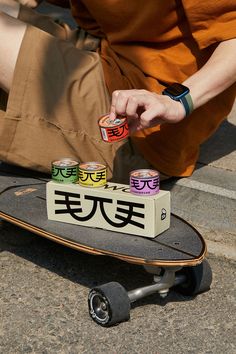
(92, 174)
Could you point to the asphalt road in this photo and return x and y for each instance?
(43, 304)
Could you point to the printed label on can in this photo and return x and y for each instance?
(65, 171)
(113, 130)
(144, 182)
(92, 174)
(104, 134)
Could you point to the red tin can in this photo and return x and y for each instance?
(113, 130)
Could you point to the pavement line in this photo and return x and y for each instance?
(208, 188)
(221, 250)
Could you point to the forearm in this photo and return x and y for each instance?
(145, 109)
(215, 76)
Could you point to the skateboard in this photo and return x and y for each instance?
(175, 258)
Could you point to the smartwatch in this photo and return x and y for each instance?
(181, 93)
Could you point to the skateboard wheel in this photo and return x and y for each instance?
(109, 304)
(198, 279)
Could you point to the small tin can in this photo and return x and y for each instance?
(65, 170)
(113, 130)
(92, 174)
(144, 182)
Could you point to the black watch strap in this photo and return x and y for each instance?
(187, 103)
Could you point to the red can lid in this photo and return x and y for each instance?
(106, 122)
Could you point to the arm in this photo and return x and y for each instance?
(146, 109)
(215, 76)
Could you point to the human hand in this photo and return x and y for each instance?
(145, 109)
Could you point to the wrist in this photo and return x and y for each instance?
(178, 111)
(174, 112)
(180, 93)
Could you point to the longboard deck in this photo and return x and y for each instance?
(23, 203)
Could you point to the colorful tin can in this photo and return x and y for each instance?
(113, 130)
(92, 174)
(144, 182)
(65, 170)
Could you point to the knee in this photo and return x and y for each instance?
(11, 35)
(10, 7)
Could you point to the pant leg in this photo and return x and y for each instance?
(80, 38)
(58, 94)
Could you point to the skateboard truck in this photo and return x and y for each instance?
(162, 284)
(110, 303)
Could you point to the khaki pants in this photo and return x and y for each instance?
(58, 94)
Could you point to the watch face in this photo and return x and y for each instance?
(176, 90)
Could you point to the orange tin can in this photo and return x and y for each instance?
(113, 130)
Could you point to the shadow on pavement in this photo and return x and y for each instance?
(81, 268)
(222, 143)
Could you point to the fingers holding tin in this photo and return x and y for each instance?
(118, 103)
(126, 103)
(139, 106)
(145, 109)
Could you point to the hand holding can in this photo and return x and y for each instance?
(113, 130)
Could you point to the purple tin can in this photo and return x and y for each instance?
(144, 182)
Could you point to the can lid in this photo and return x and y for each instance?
(106, 122)
(65, 162)
(92, 166)
(144, 173)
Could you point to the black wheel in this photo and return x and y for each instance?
(198, 279)
(109, 304)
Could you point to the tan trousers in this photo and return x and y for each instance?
(58, 94)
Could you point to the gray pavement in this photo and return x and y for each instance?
(43, 304)
(44, 286)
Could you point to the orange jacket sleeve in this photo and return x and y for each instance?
(211, 21)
